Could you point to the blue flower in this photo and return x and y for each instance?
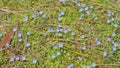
(112, 19)
(60, 45)
(105, 53)
(23, 57)
(88, 66)
(53, 56)
(116, 25)
(88, 12)
(81, 9)
(98, 42)
(108, 39)
(70, 66)
(58, 53)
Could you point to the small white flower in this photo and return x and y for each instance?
(69, 29)
(88, 12)
(62, 1)
(86, 8)
(0, 34)
(94, 64)
(12, 58)
(28, 33)
(19, 34)
(19, 39)
(25, 66)
(80, 58)
(82, 36)
(40, 12)
(26, 18)
(113, 34)
(15, 29)
(23, 58)
(60, 29)
(110, 55)
(73, 33)
(28, 44)
(114, 48)
(81, 16)
(108, 21)
(59, 18)
(108, 14)
(84, 48)
(96, 18)
(17, 58)
(58, 34)
(44, 34)
(34, 61)
(77, 4)
(84, 5)
(1, 49)
(115, 43)
(44, 15)
(55, 47)
(91, 6)
(61, 13)
(65, 31)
